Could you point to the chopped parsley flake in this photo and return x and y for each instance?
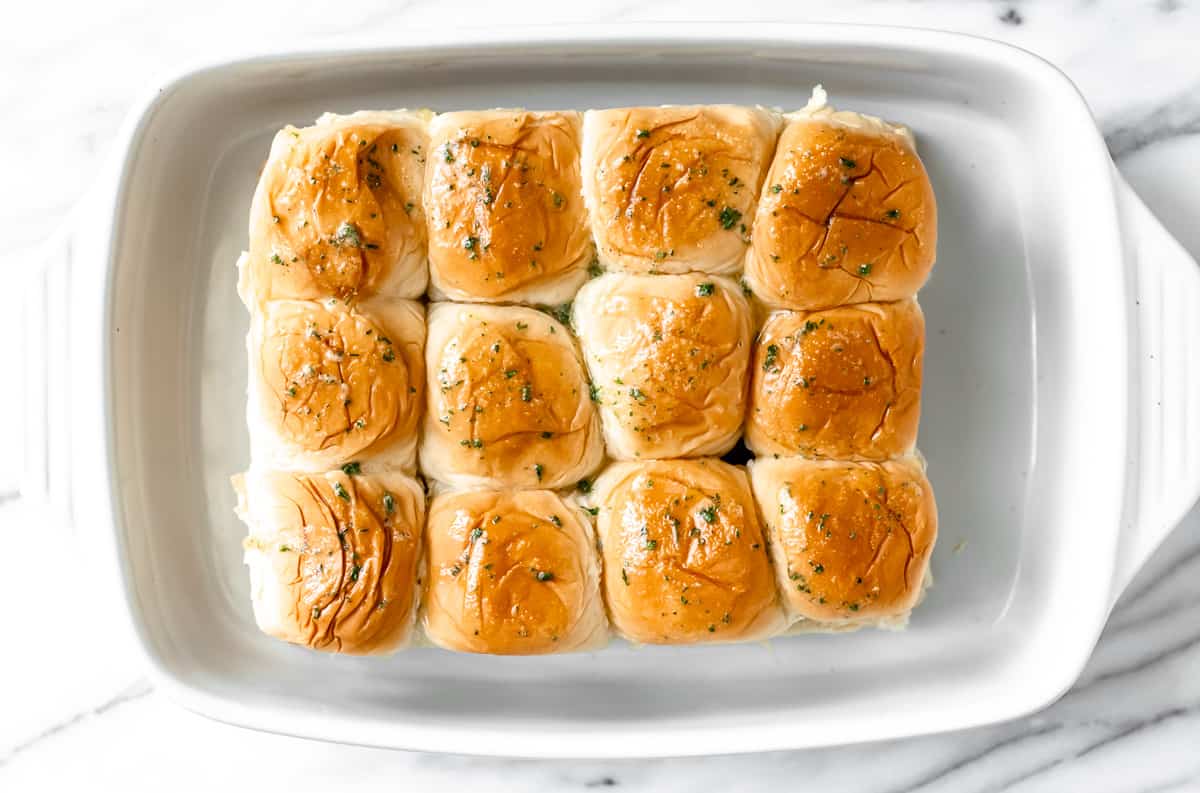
(770, 360)
(729, 217)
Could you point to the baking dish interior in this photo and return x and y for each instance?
(1022, 425)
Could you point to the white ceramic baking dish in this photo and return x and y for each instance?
(1061, 413)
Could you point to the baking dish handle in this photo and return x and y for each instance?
(1164, 443)
(46, 369)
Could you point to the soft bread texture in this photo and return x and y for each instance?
(338, 211)
(333, 558)
(841, 383)
(508, 400)
(846, 215)
(668, 357)
(685, 559)
(512, 573)
(851, 540)
(505, 203)
(332, 384)
(673, 189)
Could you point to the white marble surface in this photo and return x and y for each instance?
(76, 711)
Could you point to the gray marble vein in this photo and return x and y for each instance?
(1179, 115)
(137, 690)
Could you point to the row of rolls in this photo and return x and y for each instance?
(530, 463)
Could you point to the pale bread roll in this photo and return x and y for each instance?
(333, 558)
(509, 403)
(669, 358)
(332, 384)
(512, 573)
(846, 214)
(851, 541)
(685, 557)
(505, 206)
(673, 189)
(338, 211)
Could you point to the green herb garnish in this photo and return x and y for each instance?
(729, 217)
(771, 358)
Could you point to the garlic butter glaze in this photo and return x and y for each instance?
(331, 383)
(685, 557)
(673, 189)
(512, 573)
(338, 211)
(843, 383)
(333, 557)
(846, 214)
(509, 403)
(851, 540)
(668, 356)
(505, 205)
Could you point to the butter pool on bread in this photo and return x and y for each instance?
(332, 383)
(851, 541)
(509, 403)
(505, 205)
(673, 189)
(846, 213)
(841, 383)
(685, 556)
(668, 356)
(333, 557)
(511, 573)
(338, 211)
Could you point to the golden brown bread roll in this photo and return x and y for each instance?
(841, 383)
(332, 384)
(673, 189)
(506, 215)
(333, 558)
(851, 541)
(847, 214)
(685, 559)
(337, 212)
(512, 573)
(508, 400)
(668, 356)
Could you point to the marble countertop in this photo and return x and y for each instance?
(76, 710)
